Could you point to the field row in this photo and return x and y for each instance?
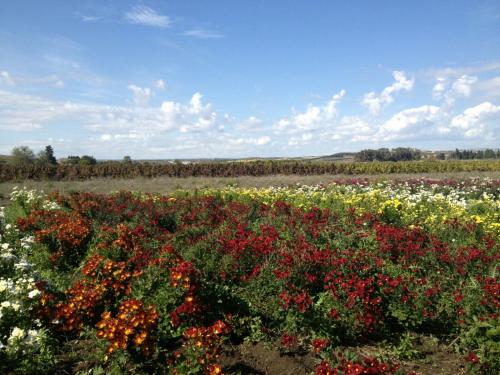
(111, 169)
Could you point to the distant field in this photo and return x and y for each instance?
(169, 184)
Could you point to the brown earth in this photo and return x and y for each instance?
(259, 359)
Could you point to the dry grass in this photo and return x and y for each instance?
(169, 184)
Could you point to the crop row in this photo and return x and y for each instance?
(234, 169)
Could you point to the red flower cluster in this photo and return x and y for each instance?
(319, 345)
(80, 305)
(64, 233)
(133, 326)
(183, 277)
(87, 294)
(203, 345)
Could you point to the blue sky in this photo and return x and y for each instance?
(187, 79)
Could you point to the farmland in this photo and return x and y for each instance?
(356, 276)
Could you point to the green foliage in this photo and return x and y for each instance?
(22, 156)
(46, 157)
(483, 338)
(405, 348)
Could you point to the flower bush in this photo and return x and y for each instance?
(24, 342)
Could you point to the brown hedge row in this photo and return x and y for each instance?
(234, 169)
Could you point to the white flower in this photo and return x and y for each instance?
(3, 285)
(5, 304)
(5, 246)
(16, 334)
(32, 337)
(16, 306)
(8, 226)
(33, 293)
(23, 265)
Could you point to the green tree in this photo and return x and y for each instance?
(87, 160)
(22, 155)
(47, 156)
(73, 160)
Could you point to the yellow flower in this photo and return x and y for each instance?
(477, 218)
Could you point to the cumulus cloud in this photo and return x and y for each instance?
(192, 117)
(482, 120)
(375, 102)
(439, 88)
(144, 15)
(409, 123)
(22, 112)
(314, 117)
(449, 91)
(141, 95)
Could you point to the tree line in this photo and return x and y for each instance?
(479, 154)
(384, 154)
(24, 156)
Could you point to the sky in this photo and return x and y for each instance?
(230, 79)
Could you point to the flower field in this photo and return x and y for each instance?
(139, 283)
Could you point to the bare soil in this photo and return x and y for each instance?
(259, 359)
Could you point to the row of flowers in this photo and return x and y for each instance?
(423, 202)
(21, 332)
(162, 282)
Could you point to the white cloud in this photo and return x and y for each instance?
(251, 123)
(192, 117)
(480, 120)
(439, 88)
(304, 139)
(6, 78)
(201, 33)
(106, 137)
(375, 102)
(409, 122)
(160, 84)
(264, 140)
(260, 141)
(141, 95)
(143, 15)
(453, 72)
(462, 86)
(450, 91)
(489, 87)
(90, 18)
(314, 117)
